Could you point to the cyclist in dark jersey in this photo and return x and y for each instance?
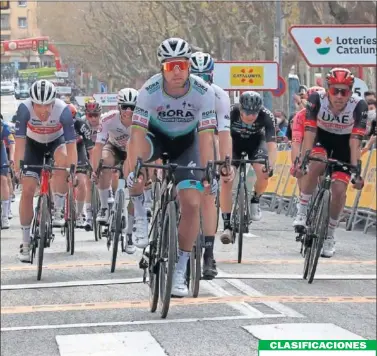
(252, 127)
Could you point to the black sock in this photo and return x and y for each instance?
(255, 198)
(226, 219)
(209, 242)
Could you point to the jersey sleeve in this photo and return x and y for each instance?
(142, 111)
(66, 121)
(6, 135)
(223, 111)
(84, 131)
(207, 115)
(22, 118)
(298, 127)
(269, 125)
(103, 130)
(312, 108)
(360, 116)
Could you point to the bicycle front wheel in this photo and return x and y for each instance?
(43, 231)
(116, 230)
(168, 256)
(196, 266)
(241, 217)
(71, 222)
(95, 208)
(320, 231)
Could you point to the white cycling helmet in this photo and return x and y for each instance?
(42, 92)
(127, 96)
(173, 48)
(201, 62)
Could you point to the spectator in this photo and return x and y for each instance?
(289, 128)
(282, 123)
(368, 95)
(371, 131)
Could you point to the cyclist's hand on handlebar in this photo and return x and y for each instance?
(94, 177)
(211, 189)
(227, 174)
(132, 181)
(357, 182)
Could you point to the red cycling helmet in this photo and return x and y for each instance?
(93, 107)
(314, 89)
(340, 76)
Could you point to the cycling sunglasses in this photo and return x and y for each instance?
(124, 107)
(335, 91)
(93, 114)
(170, 66)
(207, 77)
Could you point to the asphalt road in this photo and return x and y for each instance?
(263, 298)
(8, 105)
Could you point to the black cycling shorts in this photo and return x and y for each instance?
(35, 151)
(255, 147)
(119, 155)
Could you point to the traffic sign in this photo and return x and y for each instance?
(336, 45)
(360, 87)
(282, 87)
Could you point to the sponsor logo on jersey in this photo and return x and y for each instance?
(199, 87)
(176, 116)
(138, 120)
(208, 114)
(343, 119)
(109, 117)
(140, 111)
(153, 87)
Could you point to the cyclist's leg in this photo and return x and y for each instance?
(5, 196)
(209, 222)
(59, 151)
(259, 151)
(189, 194)
(88, 202)
(104, 184)
(310, 180)
(81, 187)
(34, 152)
(339, 182)
(226, 195)
(140, 228)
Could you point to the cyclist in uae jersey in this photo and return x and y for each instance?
(335, 125)
(43, 125)
(92, 116)
(178, 109)
(111, 144)
(6, 137)
(252, 127)
(202, 65)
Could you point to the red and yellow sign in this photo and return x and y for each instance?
(247, 76)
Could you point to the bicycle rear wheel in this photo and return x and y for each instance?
(71, 219)
(43, 231)
(241, 217)
(95, 209)
(168, 256)
(196, 266)
(116, 229)
(320, 231)
(154, 263)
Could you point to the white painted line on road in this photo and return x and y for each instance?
(296, 276)
(103, 282)
(248, 290)
(126, 323)
(243, 308)
(136, 343)
(302, 331)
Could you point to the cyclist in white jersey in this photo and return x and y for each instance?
(202, 65)
(335, 125)
(178, 110)
(43, 124)
(92, 116)
(111, 143)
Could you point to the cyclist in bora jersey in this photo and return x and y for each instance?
(111, 143)
(334, 127)
(92, 116)
(202, 65)
(252, 127)
(43, 124)
(178, 110)
(6, 137)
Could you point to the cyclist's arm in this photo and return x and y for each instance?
(140, 123)
(101, 138)
(66, 120)
(223, 125)
(21, 119)
(312, 108)
(206, 128)
(270, 132)
(297, 134)
(360, 115)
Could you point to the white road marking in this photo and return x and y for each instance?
(103, 282)
(248, 290)
(126, 323)
(137, 343)
(296, 276)
(301, 331)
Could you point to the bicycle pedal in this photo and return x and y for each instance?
(301, 230)
(143, 264)
(298, 238)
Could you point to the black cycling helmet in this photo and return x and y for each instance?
(251, 102)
